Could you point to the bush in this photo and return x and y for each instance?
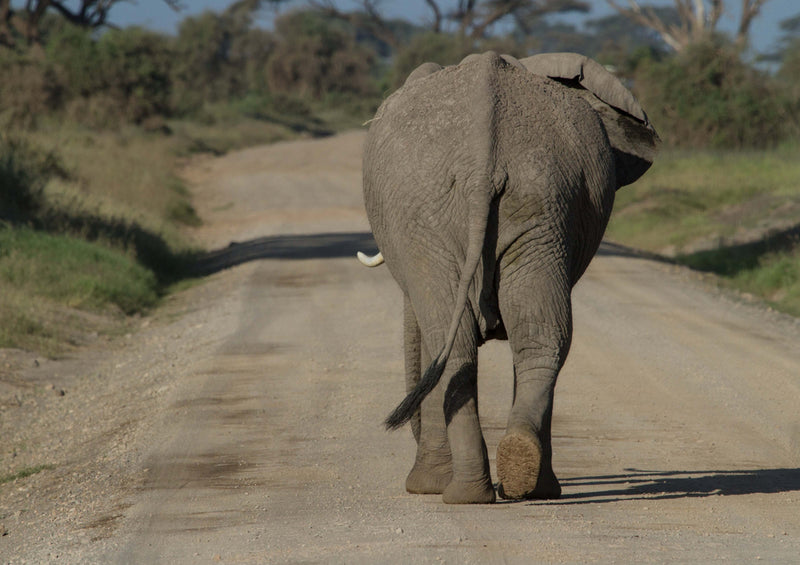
(122, 77)
(707, 96)
(29, 88)
(73, 51)
(24, 172)
(315, 57)
(789, 75)
(134, 65)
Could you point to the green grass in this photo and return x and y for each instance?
(73, 272)
(26, 472)
(716, 212)
(777, 279)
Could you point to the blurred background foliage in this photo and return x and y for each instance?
(707, 92)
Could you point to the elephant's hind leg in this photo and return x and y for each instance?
(522, 469)
(472, 483)
(413, 357)
(433, 469)
(451, 455)
(537, 310)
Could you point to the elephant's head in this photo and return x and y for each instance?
(632, 137)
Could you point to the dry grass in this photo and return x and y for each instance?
(736, 214)
(126, 174)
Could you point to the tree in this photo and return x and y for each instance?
(617, 33)
(697, 21)
(471, 19)
(26, 21)
(368, 19)
(316, 56)
(220, 56)
(789, 57)
(474, 19)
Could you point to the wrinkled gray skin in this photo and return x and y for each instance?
(488, 189)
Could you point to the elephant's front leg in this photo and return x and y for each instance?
(537, 312)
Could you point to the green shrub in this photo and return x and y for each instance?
(789, 77)
(218, 57)
(74, 52)
(135, 68)
(124, 76)
(707, 96)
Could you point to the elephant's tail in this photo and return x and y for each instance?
(479, 217)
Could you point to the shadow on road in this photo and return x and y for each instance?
(312, 246)
(326, 246)
(610, 249)
(730, 260)
(660, 485)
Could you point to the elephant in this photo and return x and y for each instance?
(488, 186)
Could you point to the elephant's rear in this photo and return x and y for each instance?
(426, 145)
(489, 127)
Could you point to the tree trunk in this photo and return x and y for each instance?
(696, 21)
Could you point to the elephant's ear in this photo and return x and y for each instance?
(633, 138)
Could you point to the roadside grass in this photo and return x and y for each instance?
(686, 197)
(128, 173)
(95, 221)
(23, 324)
(99, 232)
(220, 134)
(771, 272)
(735, 214)
(74, 272)
(24, 473)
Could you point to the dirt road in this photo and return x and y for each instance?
(243, 423)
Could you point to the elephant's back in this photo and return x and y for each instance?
(483, 116)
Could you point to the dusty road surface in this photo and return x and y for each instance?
(242, 424)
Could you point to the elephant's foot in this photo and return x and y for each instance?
(473, 492)
(429, 479)
(520, 469)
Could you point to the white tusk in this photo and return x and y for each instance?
(370, 261)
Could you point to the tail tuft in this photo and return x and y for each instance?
(406, 409)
